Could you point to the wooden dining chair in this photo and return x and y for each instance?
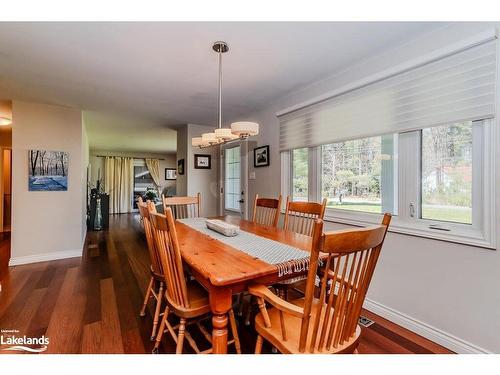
(328, 324)
(300, 216)
(139, 200)
(266, 211)
(156, 284)
(185, 298)
(183, 207)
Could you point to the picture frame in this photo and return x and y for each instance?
(202, 161)
(261, 156)
(170, 174)
(180, 166)
(48, 170)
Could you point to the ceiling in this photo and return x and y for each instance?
(135, 81)
(111, 132)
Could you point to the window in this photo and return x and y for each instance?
(437, 181)
(300, 171)
(142, 181)
(358, 175)
(447, 173)
(232, 177)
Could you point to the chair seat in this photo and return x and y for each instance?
(197, 300)
(293, 325)
(298, 279)
(197, 295)
(291, 281)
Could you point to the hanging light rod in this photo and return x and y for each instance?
(238, 130)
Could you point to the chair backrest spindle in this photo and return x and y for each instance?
(348, 269)
(300, 216)
(183, 207)
(266, 211)
(165, 237)
(145, 210)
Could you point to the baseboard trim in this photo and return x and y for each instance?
(429, 332)
(46, 257)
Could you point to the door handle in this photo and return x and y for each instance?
(241, 201)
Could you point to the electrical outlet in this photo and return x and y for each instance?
(365, 322)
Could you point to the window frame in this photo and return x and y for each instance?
(480, 233)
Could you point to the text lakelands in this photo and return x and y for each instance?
(24, 340)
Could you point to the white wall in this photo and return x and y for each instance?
(85, 165)
(182, 152)
(446, 291)
(204, 181)
(46, 225)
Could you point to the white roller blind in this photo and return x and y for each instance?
(455, 88)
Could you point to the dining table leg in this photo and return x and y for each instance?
(220, 303)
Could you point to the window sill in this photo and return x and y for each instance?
(417, 228)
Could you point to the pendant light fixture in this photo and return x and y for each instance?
(4, 121)
(238, 130)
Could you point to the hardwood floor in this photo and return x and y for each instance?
(91, 304)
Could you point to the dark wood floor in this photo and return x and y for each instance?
(91, 304)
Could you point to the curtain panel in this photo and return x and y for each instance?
(119, 183)
(154, 170)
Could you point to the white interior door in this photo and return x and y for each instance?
(234, 179)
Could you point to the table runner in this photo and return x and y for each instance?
(288, 259)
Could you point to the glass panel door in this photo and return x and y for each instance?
(232, 183)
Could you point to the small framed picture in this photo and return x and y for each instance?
(261, 156)
(170, 174)
(180, 166)
(202, 161)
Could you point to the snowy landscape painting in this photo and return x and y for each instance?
(48, 170)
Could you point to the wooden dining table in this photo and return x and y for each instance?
(224, 271)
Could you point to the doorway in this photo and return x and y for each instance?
(5, 206)
(7, 189)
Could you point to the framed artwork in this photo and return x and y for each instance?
(261, 156)
(202, 161)
(48, 170)
(180, 166)
(170, 174)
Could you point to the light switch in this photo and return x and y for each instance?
(252, 176)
